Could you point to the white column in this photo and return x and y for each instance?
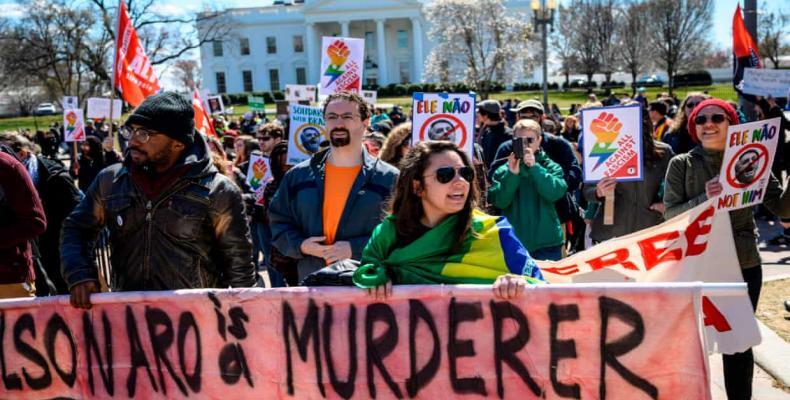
(381, 41)
(312, 52)
(416, 31)
(344, 31)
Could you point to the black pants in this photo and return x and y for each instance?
(739, 367)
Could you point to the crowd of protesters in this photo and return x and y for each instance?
(370, 209)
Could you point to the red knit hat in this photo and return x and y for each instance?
(732, 115)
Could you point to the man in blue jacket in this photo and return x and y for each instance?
(326, 207)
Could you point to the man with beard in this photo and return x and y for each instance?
(175, 222)
(326, 207)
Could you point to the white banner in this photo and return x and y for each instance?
(99, 107)
(695, 246)
(766, 82)
(747, 162)
(305, 133)
(73, 126)
(443, 116)
(70, 103)
(297, 93)
(342, 61)
(612, 143)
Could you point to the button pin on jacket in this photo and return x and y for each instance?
(119, 220)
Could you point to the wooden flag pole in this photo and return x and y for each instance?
(608, 209)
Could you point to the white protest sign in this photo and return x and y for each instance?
(443, 116)
(70, 103)
(747, 162)
(100, 108)
(215, 105)
(612, 143)
(306, 132)
(370, 96)
(259, 174)
(766, 82)
(696, 246)
(73, 125)
(297, 93)
(342, 60)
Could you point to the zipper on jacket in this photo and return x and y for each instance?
(149, 221)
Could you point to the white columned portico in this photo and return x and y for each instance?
(312, 52)
(381, 43)
(416, 31)
(344, 28)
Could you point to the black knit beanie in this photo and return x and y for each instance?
(167, 112)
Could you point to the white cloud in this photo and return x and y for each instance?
(173, 9)
(12, 10)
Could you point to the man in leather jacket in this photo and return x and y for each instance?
(175, 222)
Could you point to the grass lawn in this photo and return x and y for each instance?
(771, 308)
(563, 100)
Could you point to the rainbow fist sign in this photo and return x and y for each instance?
(73, 125)
(341, 61)
(612, 143)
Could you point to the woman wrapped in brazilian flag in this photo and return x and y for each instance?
(434, 234)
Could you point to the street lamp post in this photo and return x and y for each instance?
(543, 16)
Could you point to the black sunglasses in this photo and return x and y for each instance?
(691, 105)
(703, 119)
(447, 174)
(264, 138)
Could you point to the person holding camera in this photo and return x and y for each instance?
(526, 188)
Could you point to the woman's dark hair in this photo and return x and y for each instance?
(406, 205)
(650, 150)
(95, 152)
(398, 138)
(681, 117)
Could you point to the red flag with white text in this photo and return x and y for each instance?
(202, 120)
(133, 75)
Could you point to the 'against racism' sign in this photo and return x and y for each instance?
(305, 133)
(612, 143)
(342, 60)
(605, 341)
(746, 167)
(259, 174)
(442, 116)
(73, 125)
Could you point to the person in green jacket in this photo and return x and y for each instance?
(692, 178)
(434, 233)
(525, 190)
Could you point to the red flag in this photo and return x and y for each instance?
(744, 50)
(132, 72)
(202, 120)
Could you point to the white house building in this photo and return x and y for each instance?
(280, 44)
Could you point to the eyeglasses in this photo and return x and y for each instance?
(715, 118)
(264, 138)
(529, 114)
(447, 174)
(143, 135)
(691, 106)
(347, 117)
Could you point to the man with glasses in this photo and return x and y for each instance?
(175, 222)
(326, 207)
(269, 135)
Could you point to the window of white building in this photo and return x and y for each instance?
(244, 45)
(271, 45)
(403, 39)
(217, 47)
(298, 44)
(301, 76)
(246, 77)
(274, 79)
(220, 77)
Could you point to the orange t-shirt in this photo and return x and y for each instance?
(337, 185)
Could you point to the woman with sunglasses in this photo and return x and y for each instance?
(525, 190)
(691, 180)
(678, 136)
(434, 234)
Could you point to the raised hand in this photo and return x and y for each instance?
(606, 127)
(338, 53)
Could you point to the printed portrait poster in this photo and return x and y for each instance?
(215, 105)
(306, 132)
(341, 65)
(370, 96)
(259, 174)
(746, 166)
(612, 143)
(297, 93)
(443, 116)
(73, 125)
(70, 102)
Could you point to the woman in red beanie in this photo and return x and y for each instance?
(692, 179)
